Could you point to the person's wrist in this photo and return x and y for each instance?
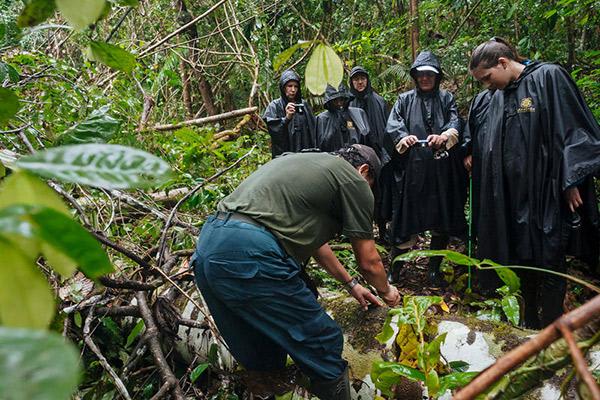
(350, 284)
(385, 292)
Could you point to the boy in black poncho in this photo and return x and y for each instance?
(292, 127)
(539, 151)
(428, 189)
(340, 125)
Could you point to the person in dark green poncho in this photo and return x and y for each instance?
(248, 261)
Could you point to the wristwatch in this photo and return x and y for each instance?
(350, 284)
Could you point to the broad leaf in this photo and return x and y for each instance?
(510, 306)
(8, 71)
(9, 105)
(72, 240)
(99, 127)
(387, 331)
(285, 55)
(23, 188)
(81, 13)
(36, 12)
(380, 368)
(324, 67)
(432, 381)
(456, 380)
(100, 165)
(510, 278)
(195, 374)
(135, 332)
(26, 300)
(433, 350)
(455, 257)
(37, 365)
(112, 56)
(459, 366)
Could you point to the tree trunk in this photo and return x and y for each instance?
(414, 28)
(191, 34)
(187, 90)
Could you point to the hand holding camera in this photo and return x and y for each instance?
(292, 108)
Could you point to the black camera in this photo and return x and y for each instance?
(422, 143)
(299, 108)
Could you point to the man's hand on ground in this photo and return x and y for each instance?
(391, 297)
(364, 296)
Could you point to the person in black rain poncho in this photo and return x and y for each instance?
(377, 112)
(539, 150)
(374, 106)
(340, 125)
(292, 127)
(428, 189)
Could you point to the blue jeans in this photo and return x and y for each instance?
(262, 307)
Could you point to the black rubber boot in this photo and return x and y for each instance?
(438, 242)
(395, 269)
(335, 389)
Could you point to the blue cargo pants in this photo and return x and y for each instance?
(262, 307)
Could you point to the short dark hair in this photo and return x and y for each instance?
(355, 158)
(486, 55)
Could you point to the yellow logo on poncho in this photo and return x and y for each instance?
(526, 105)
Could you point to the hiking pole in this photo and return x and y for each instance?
(470, 239)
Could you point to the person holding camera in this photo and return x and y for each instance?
(341, 125)
(539, 151)
(429, 182)
(290, 119)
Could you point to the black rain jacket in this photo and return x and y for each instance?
(540, 138)
(337, 128)
(377, 114)
(294, 135)
(424, 193)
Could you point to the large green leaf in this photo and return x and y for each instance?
(100, 165)
(25, 297)
(324, 67)
(432, 381)
(99, 127)
(385, 374)
(113, 56)
(23, 188)
(9, 105)
(285, 55)
(36, 365)
(456, 380)
(36, 12)
(199, 370)
(510, 278)
(72, 240)
(81, 13)
(61, 236)
(387, 331)
(510, 306)
(8, 71)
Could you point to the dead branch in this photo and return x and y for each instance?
(579, 361)
(152, 334)
(163, 236)
(128, 253)
(182, 28)
(128, 284)
(205, 120)
(92, 346)
(573, 320)
(230, 134)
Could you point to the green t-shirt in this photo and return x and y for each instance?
(306, 199)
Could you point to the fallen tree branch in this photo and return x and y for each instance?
(169, 380)
(574, 320)
(579, 361)
(205, 120)
(163, 236)
(128, 253)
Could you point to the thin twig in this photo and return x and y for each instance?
(579, 361)
(163, 236)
